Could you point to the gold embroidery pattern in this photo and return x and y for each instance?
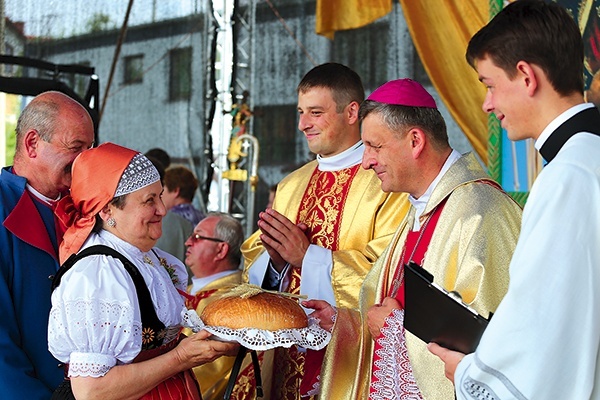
(321, 209)
(294, 287)
(323, 204)
(290, 364)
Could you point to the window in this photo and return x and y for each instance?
(134, 69)
(180, 74)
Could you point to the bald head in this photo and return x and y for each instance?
(52, 130)
(42, 113)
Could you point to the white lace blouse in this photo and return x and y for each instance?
(95, 320)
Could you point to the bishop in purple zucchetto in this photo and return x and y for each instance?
(403, 92)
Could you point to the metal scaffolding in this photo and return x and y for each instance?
(236, 160)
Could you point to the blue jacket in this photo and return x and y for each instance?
(28, 260)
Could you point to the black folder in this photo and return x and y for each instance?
(435, 315)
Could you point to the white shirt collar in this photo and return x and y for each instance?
(556, 122)
(41, 197)
(420, 203)
(199, 283)
(346, 159)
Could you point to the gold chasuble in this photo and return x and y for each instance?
(469, 252)
(213, 376)
(347, 213)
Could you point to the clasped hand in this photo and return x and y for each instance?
(377, 314)
(284, 241)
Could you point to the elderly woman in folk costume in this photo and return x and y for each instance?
(116, 301)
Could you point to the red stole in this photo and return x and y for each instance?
(192, 301)
(419, 239)
(321, 209)
(415, 248)
(322, 205)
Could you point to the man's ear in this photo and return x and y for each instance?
(528, 74)
(418, 140)
(223, 250)
(31, 142)
(352, 110)
(176, 191)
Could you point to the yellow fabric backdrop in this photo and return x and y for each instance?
(440, 30)
(339, 15)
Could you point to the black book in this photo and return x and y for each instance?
(436, 315)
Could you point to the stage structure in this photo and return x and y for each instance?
(236, 168)
(52, 78)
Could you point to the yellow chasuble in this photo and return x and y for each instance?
(366, 225)
(213, 376)
(469, 252)
(349, 215)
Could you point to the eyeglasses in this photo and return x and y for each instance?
(194, 237)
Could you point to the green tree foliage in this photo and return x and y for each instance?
(97, 23)
(12, 113)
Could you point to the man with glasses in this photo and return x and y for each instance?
(213, 256)
(52, 130)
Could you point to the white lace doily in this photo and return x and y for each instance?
(313, 337)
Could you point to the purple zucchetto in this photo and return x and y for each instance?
(403, 92)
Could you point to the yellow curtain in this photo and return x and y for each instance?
(441, 30)
(339, 15)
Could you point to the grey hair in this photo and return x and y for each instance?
(40, 115)
(400, 118)
(229, 230)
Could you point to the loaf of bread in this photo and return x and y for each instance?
(266, 311)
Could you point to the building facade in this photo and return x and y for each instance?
(163, 94)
